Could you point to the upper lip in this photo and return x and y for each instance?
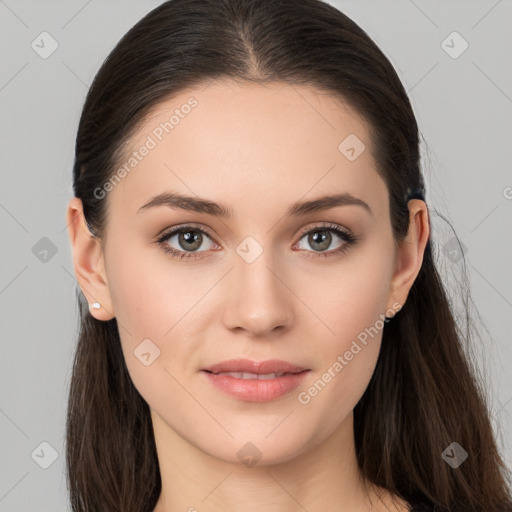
(258, 367)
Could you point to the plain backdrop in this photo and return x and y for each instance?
(460, 86)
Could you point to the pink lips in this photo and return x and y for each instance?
(254, 389)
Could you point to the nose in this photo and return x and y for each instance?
(260, 299)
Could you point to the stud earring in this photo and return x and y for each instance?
(95, 305)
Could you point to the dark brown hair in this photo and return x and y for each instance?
(424, 393)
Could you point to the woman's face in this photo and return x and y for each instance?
(259, 284)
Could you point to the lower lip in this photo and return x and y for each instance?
(255, 390)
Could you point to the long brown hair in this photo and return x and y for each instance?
(424, 393)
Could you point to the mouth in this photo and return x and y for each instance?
(255, 387)
(258, 376)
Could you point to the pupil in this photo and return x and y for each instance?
(324, 239)
(191, 239)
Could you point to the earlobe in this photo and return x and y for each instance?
(410, 252)
(88, 262)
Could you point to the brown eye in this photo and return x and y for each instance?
(188, 240)
(320, 239)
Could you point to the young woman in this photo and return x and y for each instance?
(266, 328)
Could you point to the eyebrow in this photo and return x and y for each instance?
(197, 204)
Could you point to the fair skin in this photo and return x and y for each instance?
(256, 149)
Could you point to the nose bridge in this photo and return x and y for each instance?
(259, 299)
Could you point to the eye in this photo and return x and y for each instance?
(320, 238)
(189, 239)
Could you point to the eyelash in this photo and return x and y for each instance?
(348, 238)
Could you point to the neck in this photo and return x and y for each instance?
(324, 477)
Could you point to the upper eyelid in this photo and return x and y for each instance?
(166, 233)
(327, 226)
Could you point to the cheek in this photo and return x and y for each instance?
(348, 362)
(149, 291)
(352, 348)
(354, 311)
(154, 304)
(353, 300)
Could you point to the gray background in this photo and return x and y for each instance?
(463, 106)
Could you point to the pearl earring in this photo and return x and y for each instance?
(96, 305)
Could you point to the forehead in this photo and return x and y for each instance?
(227, 140)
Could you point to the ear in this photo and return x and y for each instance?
(410, 252)
(88, 262)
